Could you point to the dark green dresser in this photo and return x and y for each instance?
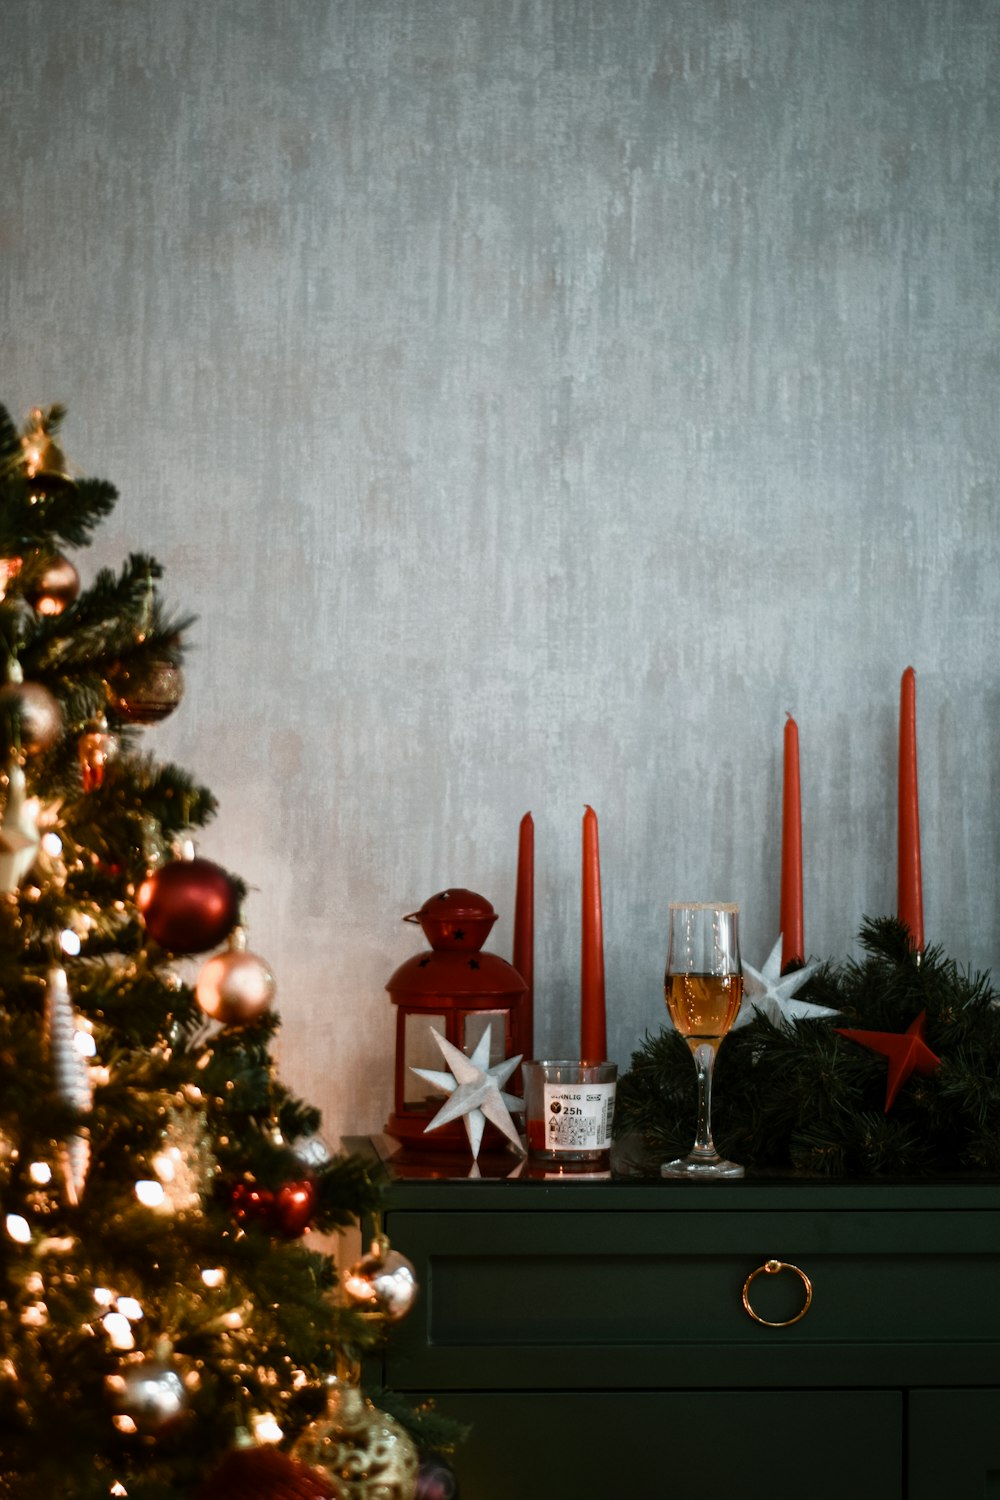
(594, 1334)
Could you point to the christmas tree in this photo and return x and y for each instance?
(161, 1310)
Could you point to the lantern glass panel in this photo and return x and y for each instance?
(422, 1051)
(475, 1022)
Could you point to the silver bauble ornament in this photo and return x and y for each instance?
(382, 1283)
(367, 1452)
(152, 1393)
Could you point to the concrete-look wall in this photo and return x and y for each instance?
(535, 400)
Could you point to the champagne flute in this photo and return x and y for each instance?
(704, 987)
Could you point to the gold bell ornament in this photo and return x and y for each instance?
(367, 1452)
(44, 460)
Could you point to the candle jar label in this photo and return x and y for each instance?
(569, 1107)
(576, 1118)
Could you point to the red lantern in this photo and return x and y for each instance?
(457, 991)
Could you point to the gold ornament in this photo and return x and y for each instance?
(366, 1451)
(184, 1163)
(71, 1075)
(44, 460)
(235, 987)
(19, 835)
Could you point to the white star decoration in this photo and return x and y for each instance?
(475, 1090)
(19, 836)
(773, 996)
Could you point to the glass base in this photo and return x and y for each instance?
(697, 1168)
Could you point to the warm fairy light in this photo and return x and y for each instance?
(131, 1308)
(232, 1319)
(18, 1228)
(84, 1043)
(124, 1423)
(149, 1193)
(165, 1164)
(52, 844)
(40, 1173)
(299, 1380)
(118, 1488)
(213, 1277)
(35, 1315)
(265, 1428)
(68, 940)
(119, 1330)
(103, 1297)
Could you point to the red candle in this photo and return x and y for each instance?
(593, 1027)
(793, 953)
(910, 901)
(524, 924)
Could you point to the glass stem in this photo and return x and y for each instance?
(704, 1061)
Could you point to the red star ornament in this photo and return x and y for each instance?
(906, 1050)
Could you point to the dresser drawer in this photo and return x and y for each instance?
(636, 1300)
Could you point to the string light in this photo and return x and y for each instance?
(265, 1428)
(119, 1330)
(40, 1173)
(213, 1276)
(149, 1193)
(19, 1229)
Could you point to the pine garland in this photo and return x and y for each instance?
(799, 1097)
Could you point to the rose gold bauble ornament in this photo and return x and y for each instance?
(189, 905)
(57, 586)
(147, 692)
(36, 713)
(235, 987)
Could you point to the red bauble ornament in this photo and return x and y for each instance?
(266, 1474)
(286, 1210)
(907, 1053)
(189, 905)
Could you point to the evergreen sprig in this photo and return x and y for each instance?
(800, 1097)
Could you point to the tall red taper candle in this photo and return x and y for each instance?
(593, 1025)
(524, 924)
(910, 899)
(793, 953)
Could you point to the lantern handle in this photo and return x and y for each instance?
(412, 916)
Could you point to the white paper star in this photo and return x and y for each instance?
(773, 996)
(475, 1090)
(19, 836)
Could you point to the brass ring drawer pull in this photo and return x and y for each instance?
(771, 1268)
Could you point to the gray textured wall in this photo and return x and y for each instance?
(535, 399)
